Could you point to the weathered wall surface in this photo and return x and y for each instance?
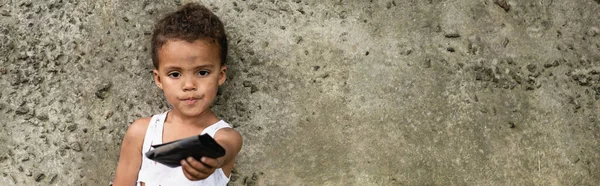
(345, 92)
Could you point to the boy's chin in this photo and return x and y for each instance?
(192, 112)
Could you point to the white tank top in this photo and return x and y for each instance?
(155, 174)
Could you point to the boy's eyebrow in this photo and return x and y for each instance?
(169, 68)
(204, 66)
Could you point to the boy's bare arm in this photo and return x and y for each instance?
(231, 141)
(130, 159)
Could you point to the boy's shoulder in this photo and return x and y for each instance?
(229, 135)
(227, 132)
(138, 127)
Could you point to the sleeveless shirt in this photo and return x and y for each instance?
(155, 174)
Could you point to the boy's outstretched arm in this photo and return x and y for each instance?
(130, 159)
(231, 141)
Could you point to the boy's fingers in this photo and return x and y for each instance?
(199, 166)
(210, 162)
(192, 177)
(192, 173)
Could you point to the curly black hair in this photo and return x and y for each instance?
(190, 23)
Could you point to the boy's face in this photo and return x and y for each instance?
(189, 74)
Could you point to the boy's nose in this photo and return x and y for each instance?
(189, 85)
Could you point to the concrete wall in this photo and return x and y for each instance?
(344, 92)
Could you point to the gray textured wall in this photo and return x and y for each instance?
(345, 92)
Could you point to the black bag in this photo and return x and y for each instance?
(171, 154)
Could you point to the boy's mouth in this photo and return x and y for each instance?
(189, 100)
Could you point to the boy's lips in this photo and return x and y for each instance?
(190, 100)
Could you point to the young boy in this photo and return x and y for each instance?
(189, 48)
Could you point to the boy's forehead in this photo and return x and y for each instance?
(184, 58)
(189, 65)
(190, 59)
(204, 41)
(184, 51)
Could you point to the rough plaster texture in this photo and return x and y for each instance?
(345, 92)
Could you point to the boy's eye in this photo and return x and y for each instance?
(174, 74)
(203, 73)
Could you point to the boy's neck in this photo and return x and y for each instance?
(203, 120)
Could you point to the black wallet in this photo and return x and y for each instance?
(171, 154)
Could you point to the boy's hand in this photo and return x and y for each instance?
(196, 170)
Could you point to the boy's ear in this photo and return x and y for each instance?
(222, 75)
(157, 80)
